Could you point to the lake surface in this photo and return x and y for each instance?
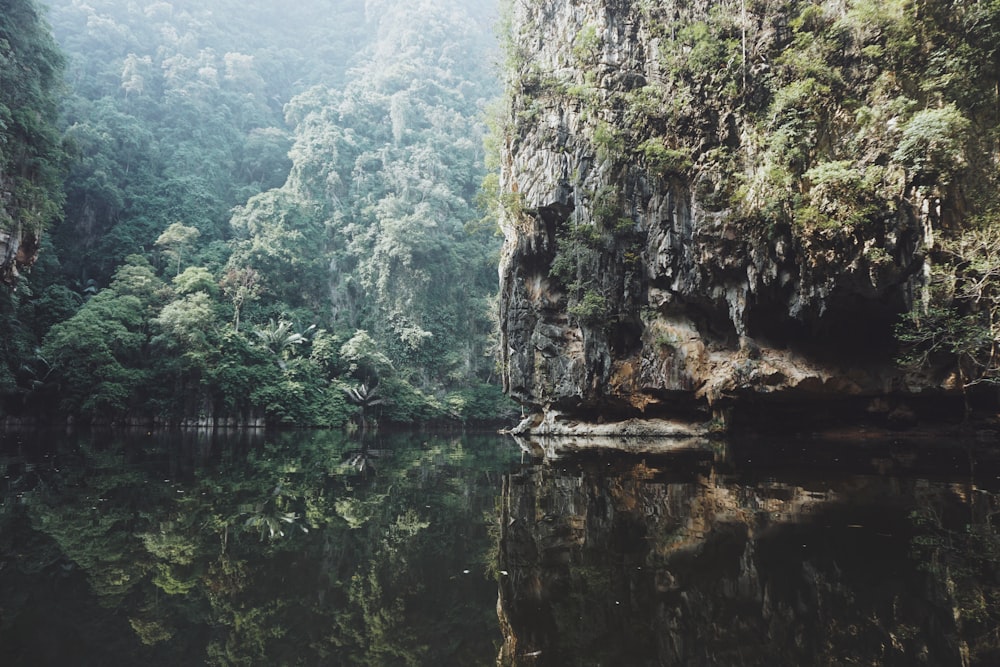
(313, 548)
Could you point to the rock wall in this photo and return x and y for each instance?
(666, 254)
(17, 252)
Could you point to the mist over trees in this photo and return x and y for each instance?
(269, 211)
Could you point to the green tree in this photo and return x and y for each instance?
(933, 144)
(188, 321)
(176, 240)
(353, 217)
(958, 329)
(279, 338)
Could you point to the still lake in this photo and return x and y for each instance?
(314, 548)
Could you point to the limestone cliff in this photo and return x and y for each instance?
(17, 252)
(718, 204)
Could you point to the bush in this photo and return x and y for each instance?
(663, 161)
(836, 192)
(932, 147)
(591, 309)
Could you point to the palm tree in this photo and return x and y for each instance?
(364, 397)
(280, 336)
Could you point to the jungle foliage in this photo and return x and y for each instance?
(31, 156)
(266, 207)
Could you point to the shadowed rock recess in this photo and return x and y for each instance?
(716, 212)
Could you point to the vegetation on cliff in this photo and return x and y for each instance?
(31, 155)
(799, 174)
(31, 162)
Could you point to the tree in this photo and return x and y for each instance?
(98, 355)
(188, 321)
(176, 121)
(366, 360)
(932, 145)
(959, 328)
(279, 337)
(195, 279)
(176, 240)
(364, 397)
(240, 285)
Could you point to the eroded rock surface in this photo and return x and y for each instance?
(647, 271)
(17, 252)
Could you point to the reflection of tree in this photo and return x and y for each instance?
(188, 563)
(269, 516)
(958, 545)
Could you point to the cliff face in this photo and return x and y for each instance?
(17, 252)
(712, 202)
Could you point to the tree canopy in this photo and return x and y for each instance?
(241, 173)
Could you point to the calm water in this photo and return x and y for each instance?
(316, 549)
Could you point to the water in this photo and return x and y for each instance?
(423, 549)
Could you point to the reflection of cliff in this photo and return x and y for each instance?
(635, 566)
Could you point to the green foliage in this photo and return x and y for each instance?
(944, 332)
(591, 309)
(606, 205)
(279, 336)
(932, 145)
(483, 403)
(176, 241)
(586, 44)
(31, 154)
(564, 265)
(406, 404)
(96, 354)
(278, 184)
(839, 195)
(711, 46)
(609, 142)
(195, 279)
(174, 115)
(365, 358)
(664, 161)
(188, 321)
(958, 329)
(579, 248)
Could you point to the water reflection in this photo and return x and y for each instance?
(315, 549)
(757, 554)
(298, 549)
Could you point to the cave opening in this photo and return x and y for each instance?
(851, 330)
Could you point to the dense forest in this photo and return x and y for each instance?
(246, 212)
